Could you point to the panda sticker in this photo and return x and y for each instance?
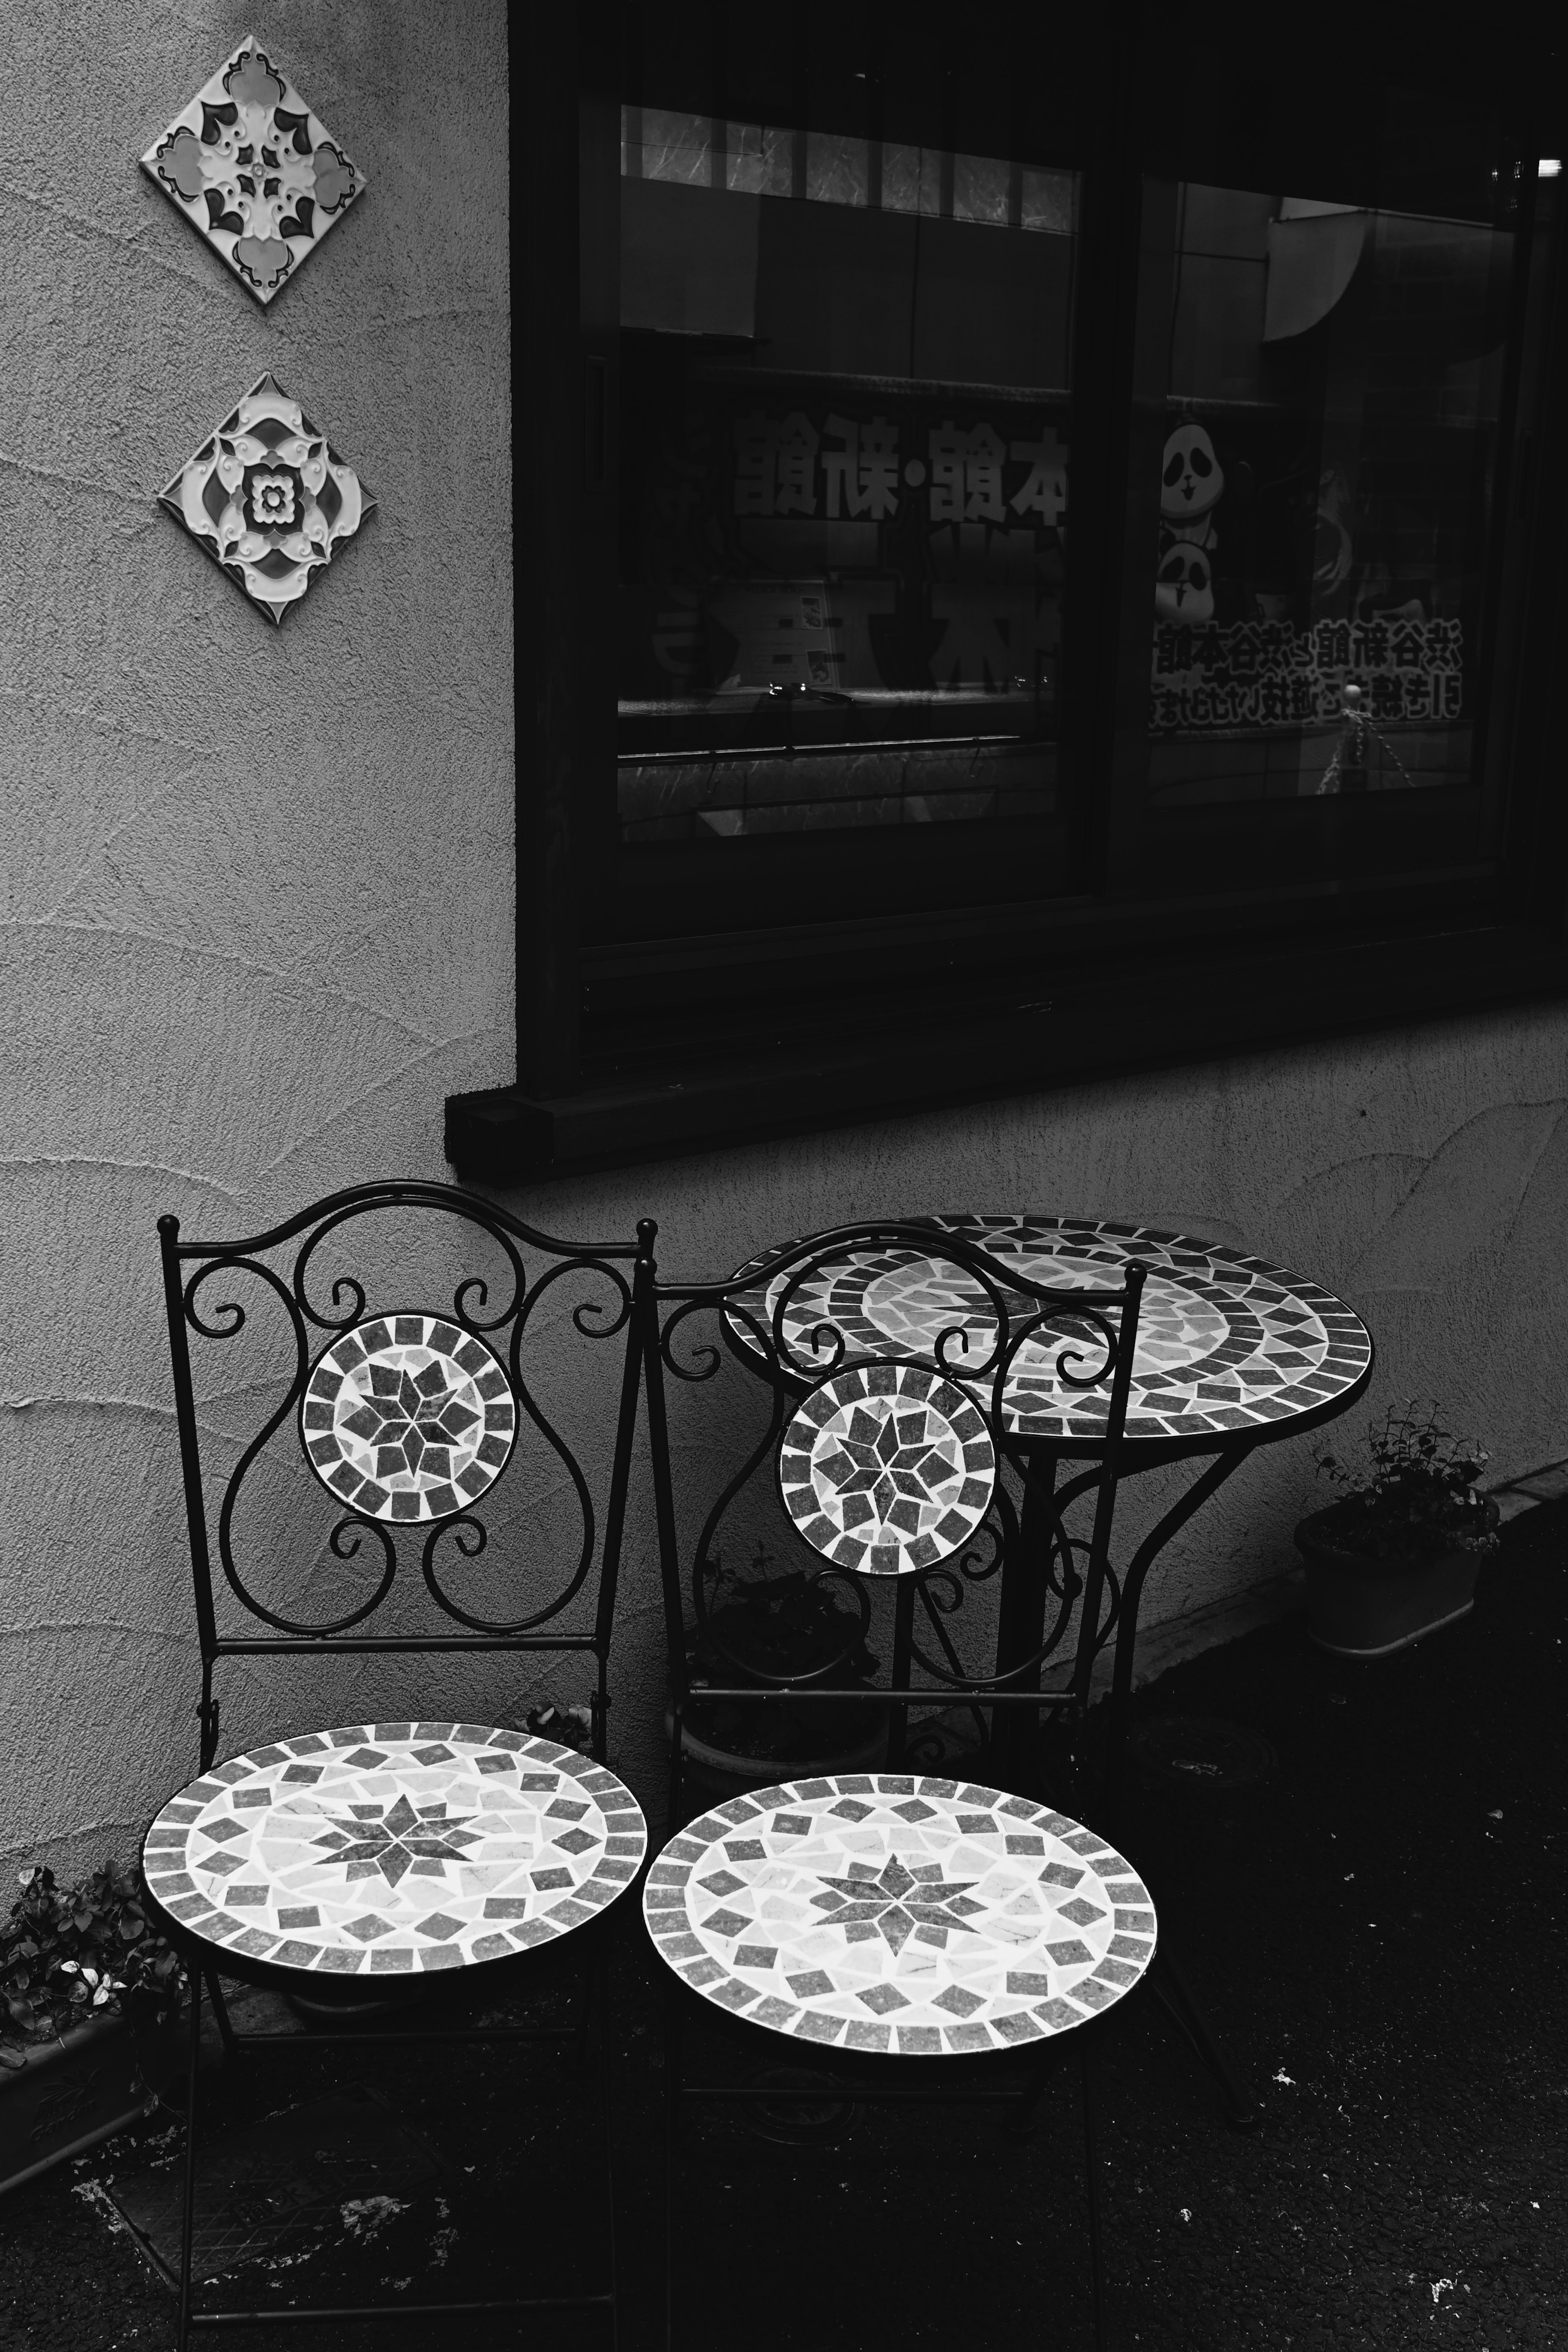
(1184, 584)
(1192, 484)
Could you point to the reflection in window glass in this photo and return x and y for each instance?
(1333, 386)
(844, 455)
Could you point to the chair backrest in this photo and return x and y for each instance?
(343, 1428)
(914, 1453)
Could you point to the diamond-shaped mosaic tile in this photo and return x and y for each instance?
(253, 171)
(268, 499)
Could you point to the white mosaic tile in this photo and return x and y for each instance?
(408, 1417)
(394, 1848)
(1226, 1342)
(887, 1469)
(258, 176)
(900, 1914)
(268, 499)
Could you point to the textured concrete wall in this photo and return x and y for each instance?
(258, 908)
(258, 903)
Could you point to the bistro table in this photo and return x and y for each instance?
(1232, 1353)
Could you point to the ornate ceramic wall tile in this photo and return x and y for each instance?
(268, 499)
(253, 171)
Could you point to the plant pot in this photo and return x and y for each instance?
(858, 1745)
(69, 2095)
(1362, 1608)
(772, 1627)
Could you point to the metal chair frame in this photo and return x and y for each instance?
(1096, 1352)
(620, 1271)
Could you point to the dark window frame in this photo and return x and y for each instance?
(638, 1048)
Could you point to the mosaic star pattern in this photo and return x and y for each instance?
(268, 499)
(1226, 1343)
(394, 1848)
(900, 1914)
(887, 1469)
(257, 175)
(408, 1417)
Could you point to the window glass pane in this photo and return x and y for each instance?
(1332, 395)
(844, 474)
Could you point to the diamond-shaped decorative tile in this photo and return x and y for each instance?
(253, 171)
(268, 498)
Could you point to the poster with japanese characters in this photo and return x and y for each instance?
(848, 544)
(1282, 576)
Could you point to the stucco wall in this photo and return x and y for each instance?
(258, 906)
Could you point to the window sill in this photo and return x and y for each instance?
(1176, 1009)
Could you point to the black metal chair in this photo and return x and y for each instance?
(356, 1435)
(880, 1915)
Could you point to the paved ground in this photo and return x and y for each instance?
(1377, 1928)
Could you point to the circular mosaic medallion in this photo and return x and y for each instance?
(885, 1912)
(887, 1468)
(1226, 1343)
(408, 1418)
(394, 1848)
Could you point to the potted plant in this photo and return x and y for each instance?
(89, 2017)
(777, 1623)
(1396, 1554)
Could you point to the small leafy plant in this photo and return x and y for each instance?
(1415, 1495)
(84, 1951)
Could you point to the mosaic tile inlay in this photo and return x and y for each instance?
(408, 1418)
(255, 174)
(392, 1848)
(897, 1913)
(887, 1469)
(268, 499)
(1226, 1343)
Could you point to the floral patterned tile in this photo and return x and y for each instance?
(257, 175)
(268, 499)
(901, 1914)
(394, 1848)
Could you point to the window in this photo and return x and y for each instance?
(1058, 572)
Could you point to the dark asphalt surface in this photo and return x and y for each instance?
(1376, 1927)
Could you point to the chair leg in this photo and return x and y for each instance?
(221, 2011)
(672, 2054)
(188, 2207)
(1092, 2168)
(1173, 1994)
(601, 2007)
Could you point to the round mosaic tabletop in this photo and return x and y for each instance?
(394, 1848)
(890, 1912)
(1226, 1343)
(887, 1469)
(408, 1417)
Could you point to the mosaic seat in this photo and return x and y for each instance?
(392, 1850)
(899, 1915)
(436, 1493)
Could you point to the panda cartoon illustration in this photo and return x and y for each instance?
(1184, 584)
(1192, 484)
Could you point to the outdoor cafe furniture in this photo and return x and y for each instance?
(1232, 1353)
(922, 1386)
(936, 1938)
(342, 1444)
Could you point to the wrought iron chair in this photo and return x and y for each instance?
(358, 1866)
(884, 1914)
